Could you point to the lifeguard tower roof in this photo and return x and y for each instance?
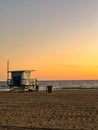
(21, 71)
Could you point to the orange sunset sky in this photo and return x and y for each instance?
(57, 38)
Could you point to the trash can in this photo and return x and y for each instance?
(49, 88)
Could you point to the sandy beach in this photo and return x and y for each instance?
(59, 110)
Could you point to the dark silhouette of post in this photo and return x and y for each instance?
(8, 72)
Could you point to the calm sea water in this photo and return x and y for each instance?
(59, 84)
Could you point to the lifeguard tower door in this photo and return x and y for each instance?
(16, 80)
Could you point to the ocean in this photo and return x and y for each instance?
(60, 84)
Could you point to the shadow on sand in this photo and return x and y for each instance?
(6, 127)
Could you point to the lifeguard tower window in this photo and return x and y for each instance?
(16, 80)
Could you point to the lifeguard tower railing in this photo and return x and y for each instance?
(23, 82)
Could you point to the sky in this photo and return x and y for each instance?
(57, 38)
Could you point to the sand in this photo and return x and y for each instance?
(59, 110)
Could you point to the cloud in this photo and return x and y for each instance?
(72, 66)
(96, 66)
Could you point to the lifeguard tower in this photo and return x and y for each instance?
(20, 80)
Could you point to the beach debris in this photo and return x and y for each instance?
(49, 88)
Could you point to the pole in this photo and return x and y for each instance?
(7, 72)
